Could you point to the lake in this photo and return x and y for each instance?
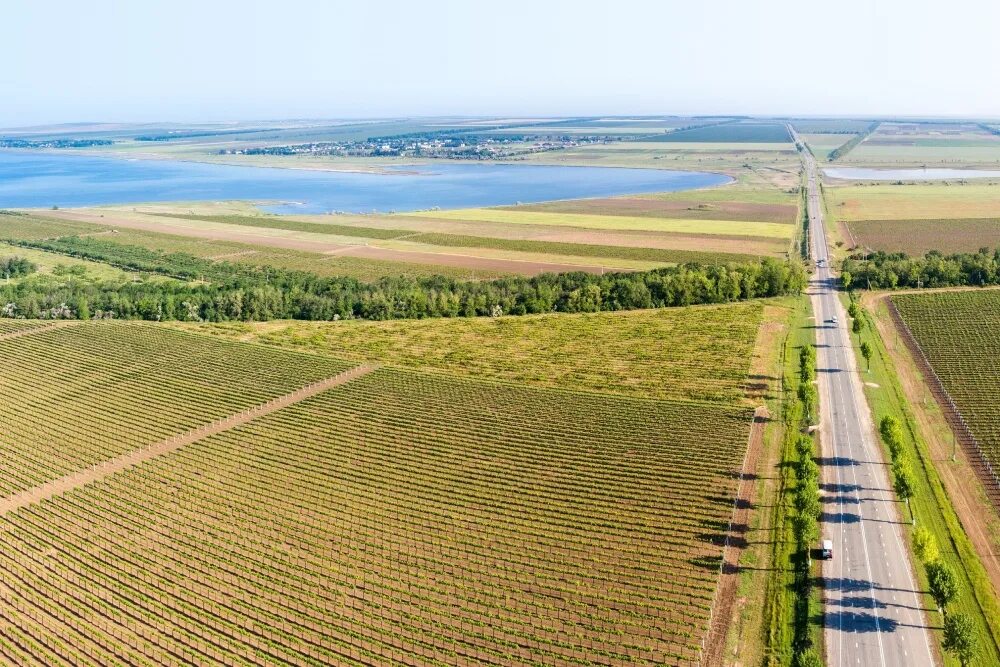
(865, 174)
(43, 180)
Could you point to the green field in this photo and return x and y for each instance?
(500, 490)
(731, 133)
(698, 352)
(632, 223)
(831, 126)
(927, 201)
(957, 333)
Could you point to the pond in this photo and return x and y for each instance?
(933, 174)
(42, 180)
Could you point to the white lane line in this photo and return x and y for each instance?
(864, 537)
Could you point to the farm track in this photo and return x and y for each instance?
(735, 542)
(33, 330)
(133, 458)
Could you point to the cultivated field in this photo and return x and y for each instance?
(957, 333)
(504, 517)
(917, 237)
(78, 394)
(927, 144)
(617, 222)
(698, 352)
(916, 218)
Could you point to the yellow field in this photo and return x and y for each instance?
(713, 227)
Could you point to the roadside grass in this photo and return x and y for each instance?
(786, 617)
(931, 506)
(586, 221)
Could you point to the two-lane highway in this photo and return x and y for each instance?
(873, 613)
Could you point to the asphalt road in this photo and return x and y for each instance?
(873, 614)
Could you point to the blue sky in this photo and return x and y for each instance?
(183, 60)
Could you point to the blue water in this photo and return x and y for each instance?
(43, 180)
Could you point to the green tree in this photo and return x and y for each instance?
(960, 638)
(857, 326)
(846, 279)
(852, 310)
(807, 394)
(943, 584)
(808, 658)
(902, 481)
(924, 545)
(866, 352)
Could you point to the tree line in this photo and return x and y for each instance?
(882, 270)
(221, 291)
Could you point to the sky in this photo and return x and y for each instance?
(224, 60)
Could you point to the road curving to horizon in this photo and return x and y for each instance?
(874, 613)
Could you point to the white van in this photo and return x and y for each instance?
(826, 552)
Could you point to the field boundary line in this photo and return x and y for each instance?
(33, 330)
(104, 469)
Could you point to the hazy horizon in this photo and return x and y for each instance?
(186, 61)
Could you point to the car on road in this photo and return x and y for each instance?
(826, 550)
(832, 320)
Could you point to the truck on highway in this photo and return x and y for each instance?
(826, 550)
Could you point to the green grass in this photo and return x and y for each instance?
(931, 505)
(49, 261)
(699, 352)
(585, 221)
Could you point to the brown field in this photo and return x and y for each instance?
(916, 237)
(654, 208)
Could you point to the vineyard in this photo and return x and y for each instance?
(72, 396)
(957, 333)
(174, 498)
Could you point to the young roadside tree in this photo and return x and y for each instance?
(807, 394)
(960, 638)
(925, 546)
(902, 482)
(944, 586)
(866, 352)
(857, 326)
(846, 279)
(852, 310)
